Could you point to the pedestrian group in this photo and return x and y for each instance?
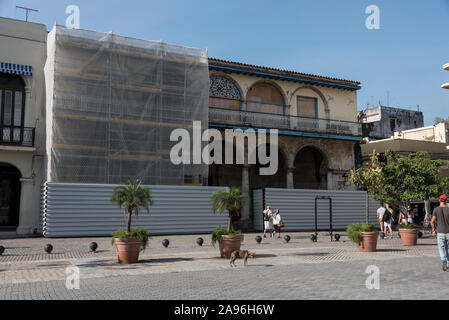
(272, 222)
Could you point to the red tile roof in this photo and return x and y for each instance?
(288, 73)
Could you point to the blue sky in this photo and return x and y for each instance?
(324, 37)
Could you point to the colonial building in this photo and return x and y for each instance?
(22, 123)
(316, 117)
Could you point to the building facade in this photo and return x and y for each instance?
(381, 122)
(22, 123)
(316, 117)
(107, 105)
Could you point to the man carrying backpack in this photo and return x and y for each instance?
(268, 225)
(386, 218)
(440, 215)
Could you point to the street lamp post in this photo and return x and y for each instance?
(446, 84)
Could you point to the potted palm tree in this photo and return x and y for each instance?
(131, 197)
(364, 235)
(229, 240)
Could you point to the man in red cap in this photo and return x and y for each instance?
(440, 215)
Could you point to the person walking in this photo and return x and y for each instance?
(440, 228)
(277, 222)
(267, 218)
(380, 213)
(387, 220)
(403, 214)
(411, 215)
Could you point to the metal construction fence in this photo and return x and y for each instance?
(297, 208)
(76, 210)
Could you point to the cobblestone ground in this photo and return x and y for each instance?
(299, 269)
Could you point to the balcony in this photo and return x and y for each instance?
(17, 136)
(283, 122)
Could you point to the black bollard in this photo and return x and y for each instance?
(382, 235)
(93, 246)
(199, 241)
(419, 234)
(165, 243)
(259, 239)
(313, 237)
(337, 237)
(2, 249)
(48, 248)
(287, 238)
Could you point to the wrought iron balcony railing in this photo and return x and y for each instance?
(286, 122)
(17, 136)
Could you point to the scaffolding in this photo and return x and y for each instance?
(112, 103)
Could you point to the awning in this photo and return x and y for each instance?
(16, 68)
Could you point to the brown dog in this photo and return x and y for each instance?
(242, 254)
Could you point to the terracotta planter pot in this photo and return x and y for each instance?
(229, 244)
(128, 249)
(369, 241)
(409, 237)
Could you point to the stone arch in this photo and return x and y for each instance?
(278, 180)
(311, 166)
(15, 166)
(225, 174)
(10, 189)
(270, 82)
(317, 91)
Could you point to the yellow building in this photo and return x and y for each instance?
(316, 117)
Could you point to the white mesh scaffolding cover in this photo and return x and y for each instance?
(112, 103)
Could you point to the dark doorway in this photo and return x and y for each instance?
(278, 180)
(310, 169)
(9, 195)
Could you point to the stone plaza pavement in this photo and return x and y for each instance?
(184, 270)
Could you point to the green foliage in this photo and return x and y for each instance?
(407, 226)
(355, 231)
(220, 231)
(399, 178)
(370, 178)
(131, 196)
(134, 233)
(438, 120)
(228, 200)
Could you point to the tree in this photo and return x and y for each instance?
(438, 120)
(401, 178)
(228, 200)
(370, 178)
(131, 196)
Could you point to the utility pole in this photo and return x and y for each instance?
(27, 10)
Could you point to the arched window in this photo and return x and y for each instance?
(12, 108)
(223, 93)
(265, 97)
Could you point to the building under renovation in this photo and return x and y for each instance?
(112, 103)
(110, 106)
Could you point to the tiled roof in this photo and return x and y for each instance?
(226, 63)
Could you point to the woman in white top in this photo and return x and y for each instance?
(276, 222)
(410, 216)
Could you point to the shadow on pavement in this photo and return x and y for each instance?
(390, 250)
(165, 260)
(264, 255)
(305, 254)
